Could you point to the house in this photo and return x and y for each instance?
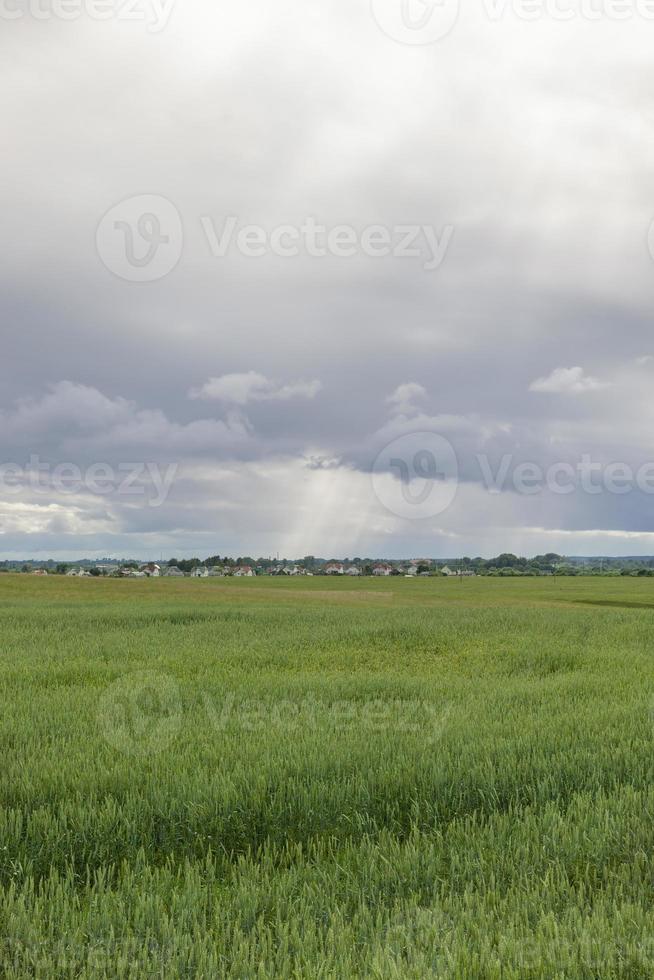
(446, 570)
(334, 568)
(151, 570)
(216, 571)
(39, 571)
(382, 569)
(353, 570)
(200, 571)
(243, 571)
(174, 572)
(75, 572)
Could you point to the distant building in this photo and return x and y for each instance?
(39, 571)
(446, 570)
(174, 572)
(151, 570)
(334, 568)
(200, 571)
(382, 569)
(243, 571)
(353, 570)
(217, 571)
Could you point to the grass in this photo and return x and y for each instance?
(327, 778)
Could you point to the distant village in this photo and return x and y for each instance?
(225, 568)
(504, 565)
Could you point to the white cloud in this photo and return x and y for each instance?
(404, 398)
(567, 381)
(74, 420)
(65, 406)
(239, 389)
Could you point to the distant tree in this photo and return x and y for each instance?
(61, 568)
(187, 565)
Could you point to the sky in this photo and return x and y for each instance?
(345, 279)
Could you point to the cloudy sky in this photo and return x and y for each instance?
(341, 278)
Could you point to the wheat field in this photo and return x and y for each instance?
(327, 778)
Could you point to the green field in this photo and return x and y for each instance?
(327, 778)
